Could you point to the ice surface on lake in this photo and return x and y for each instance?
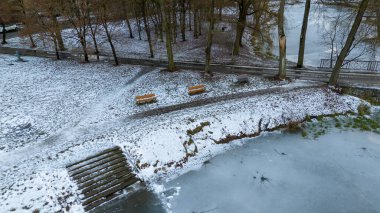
(338, 172)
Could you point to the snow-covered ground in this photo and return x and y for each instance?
(56, 112)
(190, 50)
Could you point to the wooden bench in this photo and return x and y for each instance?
(148, 98)
(196, 89)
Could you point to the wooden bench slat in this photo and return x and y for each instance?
(146, 98)
(196, 89)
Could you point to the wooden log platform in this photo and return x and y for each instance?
(101, 176)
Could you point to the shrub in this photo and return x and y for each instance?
(364, 109)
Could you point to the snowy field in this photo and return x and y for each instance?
(53, 113)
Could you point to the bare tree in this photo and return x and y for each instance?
(167, 5)
(282, 41)
(350, 39)
(94, 30)
(26, 19)
(7, 12)
(125, 4)
(209, 37)
(183, 19)
(196, 21)
(106, 12)
(78, 14)
(144, 8)
(301, 52)
(241, 24)
(378, 19)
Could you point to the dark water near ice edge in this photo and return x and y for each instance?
(338, 172)
(140, 201)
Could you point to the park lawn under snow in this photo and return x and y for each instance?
(74, 106)
(41, 97)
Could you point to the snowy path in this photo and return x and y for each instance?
(218, 99)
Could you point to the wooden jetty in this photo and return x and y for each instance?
(101, 176)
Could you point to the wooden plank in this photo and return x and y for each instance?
(93, 160)
(93, 181)
(99, 168)
(88, 158)
(106, 181)
(100, 202)
(110, 191)
(96, 164)
(112, 183)
(113, 167)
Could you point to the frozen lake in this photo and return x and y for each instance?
(338, 172)
(278, 172)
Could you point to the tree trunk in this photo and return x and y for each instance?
(138, 22)
(129, 28)
(22, 6)
(301, 51)
(93, 36)
(161, 19)
(189, 8)
(183, 20)
(174, 23)
(147, 29)
(195, 17)
(109, 38)
(32, 43)
(84, 48)
(58, 34)
(167, 24)
(4, 34)
(221, 13)
(242, 21)
(55, 46)
(257, 6)
(199, 23)
(378, 20)
(350, 39)
(282, 41)
(209, 38)
(127, 19)
(96, 48)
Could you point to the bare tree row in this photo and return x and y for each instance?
(165, 20)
